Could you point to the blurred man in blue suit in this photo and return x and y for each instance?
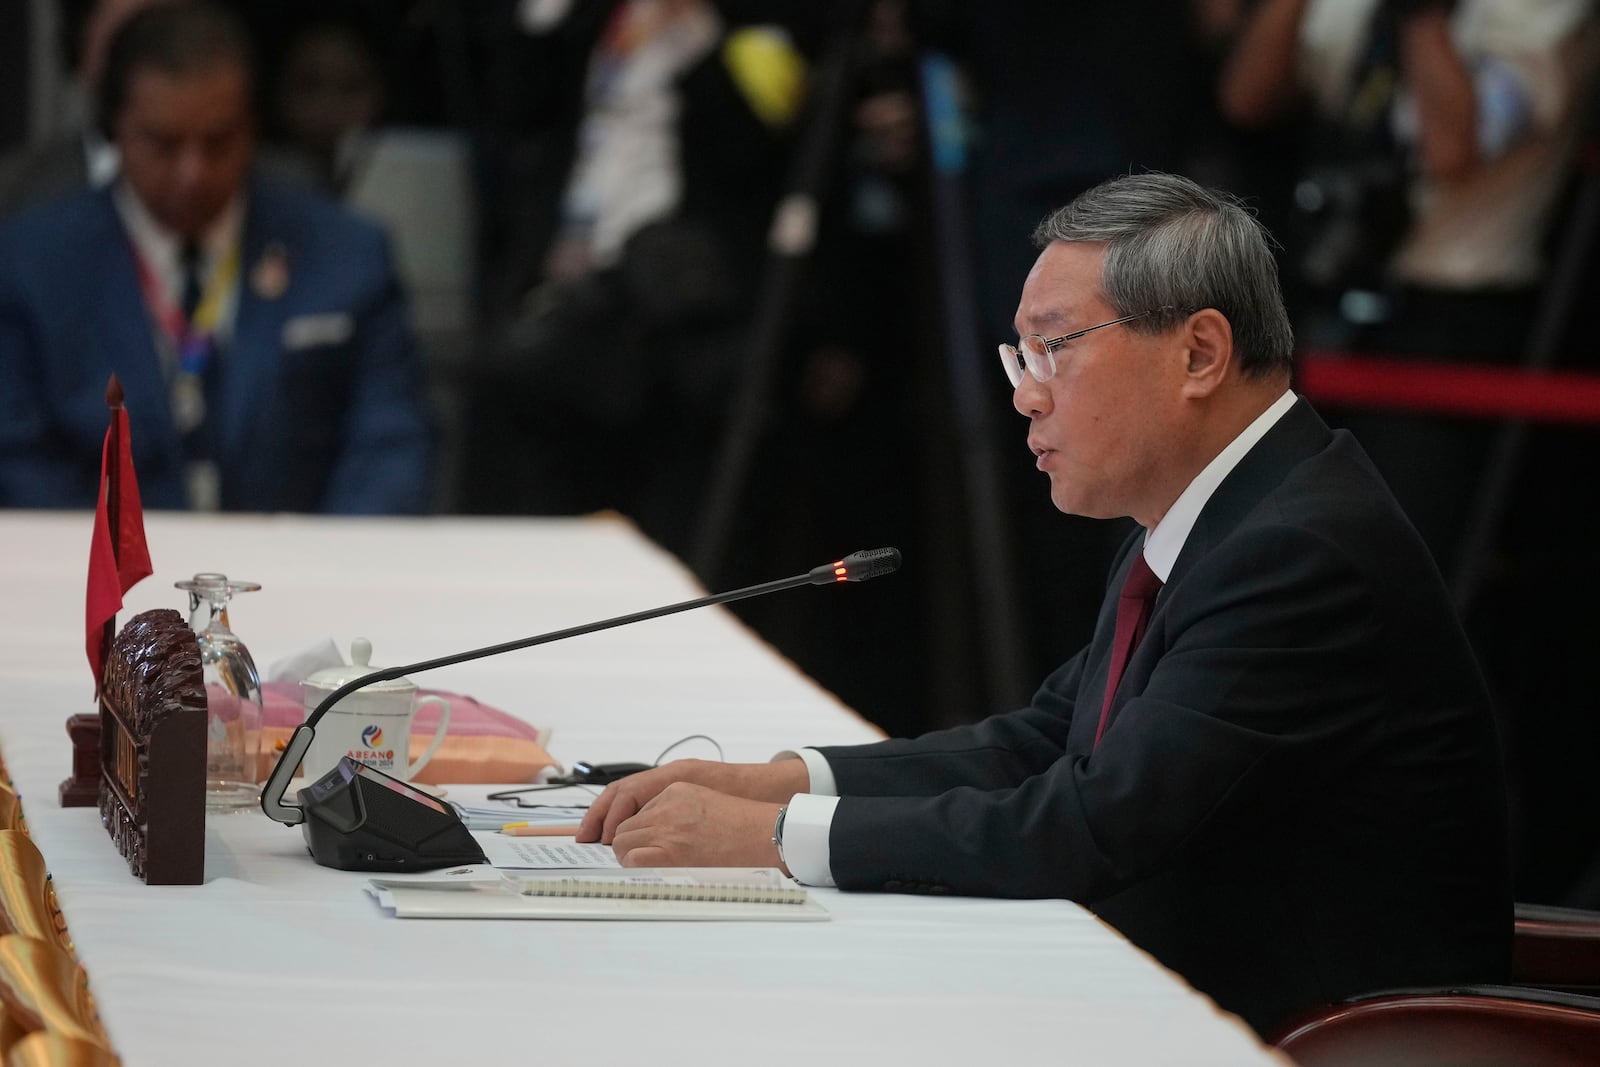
(259, 331)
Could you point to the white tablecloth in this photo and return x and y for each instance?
(275, 959)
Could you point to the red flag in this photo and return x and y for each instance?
(117, 558)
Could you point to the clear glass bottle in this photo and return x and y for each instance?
(233, 694)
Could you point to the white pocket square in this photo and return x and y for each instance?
(313, 331)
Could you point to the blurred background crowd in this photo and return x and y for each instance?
(737, 270)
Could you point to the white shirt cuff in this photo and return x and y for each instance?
(822, 782)
(810, 817)
(805, 838)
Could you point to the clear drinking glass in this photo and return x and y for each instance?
(233, 694)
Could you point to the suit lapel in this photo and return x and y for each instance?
(1298, 435)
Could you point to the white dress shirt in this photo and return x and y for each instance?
(810, 815)
(162, 251)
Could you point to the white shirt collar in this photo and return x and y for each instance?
(162, 249)
(1162, 544)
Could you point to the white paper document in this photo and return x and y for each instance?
(543, 853)
(492, 818)
(761, 894)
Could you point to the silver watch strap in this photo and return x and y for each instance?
(777, 834)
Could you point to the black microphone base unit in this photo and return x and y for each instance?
(360, 819)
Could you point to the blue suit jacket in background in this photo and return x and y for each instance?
(319, 403)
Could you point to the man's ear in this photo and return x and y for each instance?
(1209, 338)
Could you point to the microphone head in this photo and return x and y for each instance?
(858, 566)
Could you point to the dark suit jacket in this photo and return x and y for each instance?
(319, 403)
(1299, 795)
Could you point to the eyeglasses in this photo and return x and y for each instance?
(1038, 354)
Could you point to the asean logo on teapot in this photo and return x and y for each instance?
(369, 752)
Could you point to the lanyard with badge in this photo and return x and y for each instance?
(192, 340)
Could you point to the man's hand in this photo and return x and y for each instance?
(692, 826)
(773, 783)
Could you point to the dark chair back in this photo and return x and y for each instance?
(1474, 1026)
(1557, 948)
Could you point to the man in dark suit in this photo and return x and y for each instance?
(259, 331)
(1294, 793)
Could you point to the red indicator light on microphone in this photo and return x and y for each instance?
(856, 567)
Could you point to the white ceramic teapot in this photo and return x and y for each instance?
(371, 725)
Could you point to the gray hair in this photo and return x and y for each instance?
(1172, 244)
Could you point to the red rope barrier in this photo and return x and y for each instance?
(1472, 390)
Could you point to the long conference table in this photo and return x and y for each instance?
(276, 960)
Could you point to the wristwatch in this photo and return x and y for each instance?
(777, 836)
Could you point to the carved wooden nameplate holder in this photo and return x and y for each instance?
(153, 749)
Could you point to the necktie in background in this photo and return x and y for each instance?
(189, 299)
(189, 388)
(1138, 599)
(194, 388)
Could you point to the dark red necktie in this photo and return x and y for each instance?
(1138, 598)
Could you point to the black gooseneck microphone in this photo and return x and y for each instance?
(358, 818)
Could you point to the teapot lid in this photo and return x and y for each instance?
(331, 678)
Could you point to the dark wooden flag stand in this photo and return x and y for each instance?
(142, 756)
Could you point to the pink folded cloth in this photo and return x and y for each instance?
(483, 744)
(283, 704)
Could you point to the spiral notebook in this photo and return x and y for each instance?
(761, 894)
